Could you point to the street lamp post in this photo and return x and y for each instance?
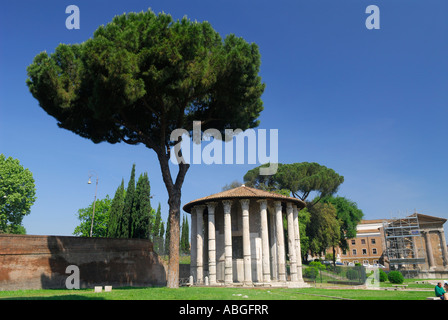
(94, 201)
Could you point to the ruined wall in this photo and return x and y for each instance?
(34, 262)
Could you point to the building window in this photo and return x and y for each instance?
(353, 242)
(373, 241)
(363, 241)
(354, 252)
(374, 251)
(364, 251)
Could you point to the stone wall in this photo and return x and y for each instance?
(34, 262)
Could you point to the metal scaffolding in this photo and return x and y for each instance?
(404, 245)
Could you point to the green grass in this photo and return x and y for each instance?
(410, 283)
(203, 293)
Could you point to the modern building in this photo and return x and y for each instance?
(414, 244)
(368, 246)
(237, 238)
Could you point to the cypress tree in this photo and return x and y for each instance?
(181, 243)
(116, 211)
(160, 238)
(158, 219)
(187, 236)
(167, 236)
(126, 217)
(184, 236)
(141, 209)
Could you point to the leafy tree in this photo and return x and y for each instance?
(324, 228)
(304, 220)
(253, 179)
(141, 211)
(100, 223)
(298, 180)
(234, 184)
(348, 213)
(116, 211)
(17, 194)
(305, 177)
(143, 75)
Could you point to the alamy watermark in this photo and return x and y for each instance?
(72, 281)
(212, 152)
(72, 21)
(373, 280)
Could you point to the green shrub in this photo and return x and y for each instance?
(317, 264)
(383, 276)
(395, 277)
(311, 273)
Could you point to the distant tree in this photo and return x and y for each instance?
(116, 211)
(126, 217)
(143, 75)
(17, 194)
(184, 241)
(305, 177)
(298, 180)
(157, 223)
(167, 237)
(304, 220)
(160, 239)
(324, 228)
(234, 184)
(348, 213)
(100, 223)
(141, 217)
(253, 179)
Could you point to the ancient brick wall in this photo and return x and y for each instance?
(34, 262)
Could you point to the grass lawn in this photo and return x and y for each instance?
(203, 293)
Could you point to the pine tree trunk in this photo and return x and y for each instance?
(174, 199)
(173, 264)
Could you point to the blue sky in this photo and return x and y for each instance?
(370, 104)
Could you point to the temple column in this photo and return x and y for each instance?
(280, 241)
(443, 247)
(246, 242)
(194, 246)
(291, 243)
(200, 243)
(273, 247)
(228, 269)
(211, 243)
(429, 253)
(297, 239)
(265, 241)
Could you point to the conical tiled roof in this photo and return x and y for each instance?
(243, 192)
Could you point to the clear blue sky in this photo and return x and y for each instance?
(370, 104)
